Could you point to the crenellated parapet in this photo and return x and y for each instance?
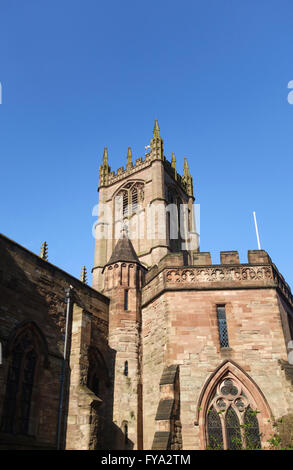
(122, 173)
(172, 274)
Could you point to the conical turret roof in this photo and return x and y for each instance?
(123, 251)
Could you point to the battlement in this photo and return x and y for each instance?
(202, 258)
(173, 272)
(139, 164)
(121, 173)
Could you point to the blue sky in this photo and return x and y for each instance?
(79, 75)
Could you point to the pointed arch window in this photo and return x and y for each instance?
(21, 380)
(231, 421)
(128, 199)
(98, 377)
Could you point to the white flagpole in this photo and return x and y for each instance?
(256, 229)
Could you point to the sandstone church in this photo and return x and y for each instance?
(165, 351)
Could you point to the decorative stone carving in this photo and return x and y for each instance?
(218, 274)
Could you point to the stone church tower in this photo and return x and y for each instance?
(137, 207)
(139, 196)
(166, 351)
(191, 339)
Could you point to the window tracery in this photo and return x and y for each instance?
(231, 420)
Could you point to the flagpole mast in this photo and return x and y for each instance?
(256, 229)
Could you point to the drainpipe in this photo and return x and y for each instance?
(68, 300)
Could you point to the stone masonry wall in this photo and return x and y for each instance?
(33, 290)
(182, 329)
(179, 318)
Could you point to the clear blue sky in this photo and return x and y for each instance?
(78, 75)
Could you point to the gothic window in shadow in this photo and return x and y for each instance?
(98, 378)
(26, 355)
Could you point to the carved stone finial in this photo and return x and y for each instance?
(173, 161)
(156, 129)
(129, 158)
(104, 169)
(44, 251)
(186, 168)
(83, 275)
(105, 157)
(156, 143)
(187, 178)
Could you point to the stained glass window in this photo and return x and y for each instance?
(233, 433)
(252, 434)
(231, 421)
(215, 430)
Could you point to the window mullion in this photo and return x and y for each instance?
(225, 440)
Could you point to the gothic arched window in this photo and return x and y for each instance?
(128, 199)
(97, 377)
(20, 385)
(231, 422)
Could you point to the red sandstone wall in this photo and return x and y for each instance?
(181, 327)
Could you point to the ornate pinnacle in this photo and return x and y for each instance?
(129, 158)
(104, 169)
(186, 168)
(157, 150)
(83, 275)
(44, 251)
(105, 157)
(187, 178)
(156, 129)
(173, 161)
(173, 165)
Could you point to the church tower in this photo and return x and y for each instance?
(153, 200)
(145, 212)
